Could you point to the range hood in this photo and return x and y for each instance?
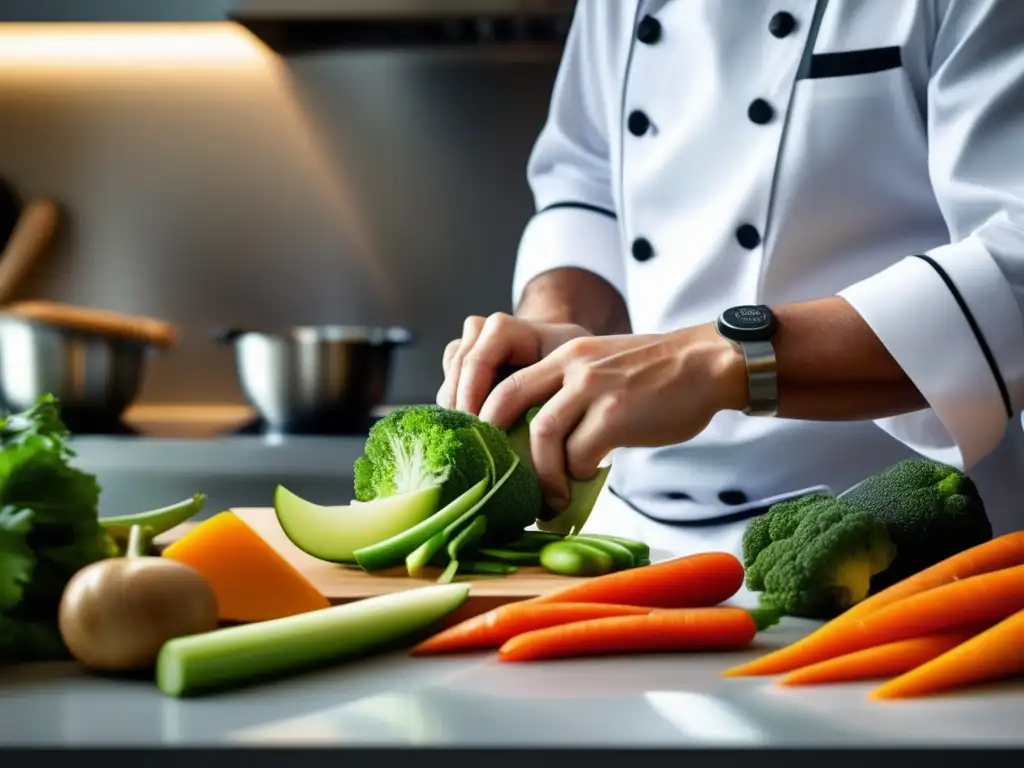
(303, 26)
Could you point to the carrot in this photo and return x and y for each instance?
(989, 597)
(880, 661)
(695, 581)
(832, 639)
(491, 629)
(994, 654)
(682, 629)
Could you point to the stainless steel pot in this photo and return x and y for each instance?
(315, 379)
(95, 376)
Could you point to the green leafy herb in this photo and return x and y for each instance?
(49, 529)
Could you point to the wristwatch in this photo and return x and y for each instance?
(751, 328)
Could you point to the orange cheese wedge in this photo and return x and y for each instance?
(251, 580)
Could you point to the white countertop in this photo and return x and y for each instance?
(475, 700)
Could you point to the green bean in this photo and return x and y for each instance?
(641, 551)
(486, 567)
(621, 557)
(509, 556)
(533, 541)
(575, 558)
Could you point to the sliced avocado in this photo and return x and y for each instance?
(334, 533)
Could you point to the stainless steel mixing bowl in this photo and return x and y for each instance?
(96, 377)
(315, 379)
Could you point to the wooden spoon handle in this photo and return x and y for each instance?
(159, 333)
(28, 241)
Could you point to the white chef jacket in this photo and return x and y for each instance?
(700, 154)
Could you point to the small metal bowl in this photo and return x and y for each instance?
(315, 379)
(95, 376)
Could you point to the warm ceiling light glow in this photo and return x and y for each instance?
(201, 44)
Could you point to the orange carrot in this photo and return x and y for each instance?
(994, 654)
(833, 640)
(880, 661)
(491, 629)
(695, 581)
(682, 629)
(989, 597)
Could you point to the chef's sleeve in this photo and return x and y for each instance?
(569, 170)
(953, 318)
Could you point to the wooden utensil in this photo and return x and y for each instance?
(25, 246)
(149, 330)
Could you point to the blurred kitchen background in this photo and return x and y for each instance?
(327, 162)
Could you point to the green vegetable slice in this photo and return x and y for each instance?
(464, 538)
(421, 557)
(509, 556)
(335, 533)
(249, 653)
(486, 568)
(394, 550)
(532, 541)
(621, 557)
(582, 493)
(574, 558)
(641, 551)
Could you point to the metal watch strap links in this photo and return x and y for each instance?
(762, 378)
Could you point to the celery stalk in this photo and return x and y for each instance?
(389, 552)
(420, 557)
(248, 653)
(464, 538)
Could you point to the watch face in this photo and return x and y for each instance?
(747, 323)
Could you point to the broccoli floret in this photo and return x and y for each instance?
(814, 557)
(423, 446)
(933, 511)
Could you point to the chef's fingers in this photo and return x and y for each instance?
(522, 390)
(593, 438)
(471, 328)
(449, 354)
(549, 430)
(503, 340)
(444, 396)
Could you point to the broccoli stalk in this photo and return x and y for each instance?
(932, 511)
(814, 557)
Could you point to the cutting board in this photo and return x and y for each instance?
(343, 584)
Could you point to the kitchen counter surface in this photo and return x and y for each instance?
(478, 701)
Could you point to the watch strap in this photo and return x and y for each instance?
(762, 378)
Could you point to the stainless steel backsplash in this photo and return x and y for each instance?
(207, 182)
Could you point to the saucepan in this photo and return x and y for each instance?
(315, 379)
(91, 359)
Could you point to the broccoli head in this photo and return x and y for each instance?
(814, 557)
(423, 446)
(932, 510)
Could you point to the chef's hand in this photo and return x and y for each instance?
(608, 392)
(471, 363)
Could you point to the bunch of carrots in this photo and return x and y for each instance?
(672, 606)
(957, 623)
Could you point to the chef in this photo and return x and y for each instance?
(778, 246)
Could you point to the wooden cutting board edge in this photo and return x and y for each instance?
(341, 584)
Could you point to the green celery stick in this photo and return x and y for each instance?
(245, 654)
